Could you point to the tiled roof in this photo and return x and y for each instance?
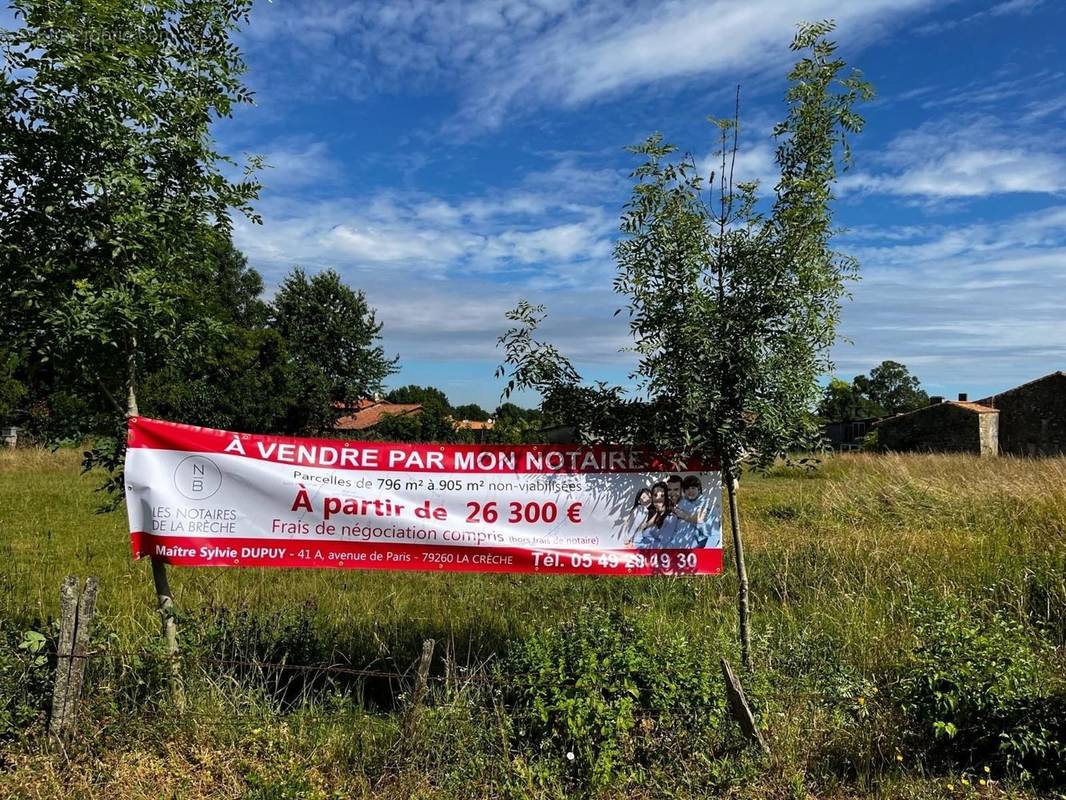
(976, 408)
(371, 412)
(980, 409)
(474, 425)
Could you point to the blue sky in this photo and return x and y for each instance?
(451, 157)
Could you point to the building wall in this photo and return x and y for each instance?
(989, 434)
(941, 428)
(1032, 418)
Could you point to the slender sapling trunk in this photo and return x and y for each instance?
(742, 574)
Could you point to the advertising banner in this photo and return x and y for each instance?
(203, 497)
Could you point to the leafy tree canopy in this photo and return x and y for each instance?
(515, 425)
(12, 391)
(109, 179)
(470, 411)
(331, 330)
(843, 401)
(888, 389)
(891, 386)
(425, 395)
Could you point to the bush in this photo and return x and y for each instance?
(977, 689)
(871, 442)
(24, 681)
(607, 696)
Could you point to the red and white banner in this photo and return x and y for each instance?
(204, 497)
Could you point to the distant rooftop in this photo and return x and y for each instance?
(369, 413)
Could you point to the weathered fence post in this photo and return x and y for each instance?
(418, 693)
(75, 628)
(86, 611)
(739, 709)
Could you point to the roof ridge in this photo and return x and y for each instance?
(1058, 372)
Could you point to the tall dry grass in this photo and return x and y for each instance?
(839, 559)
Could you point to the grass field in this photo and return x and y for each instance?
(909, 636)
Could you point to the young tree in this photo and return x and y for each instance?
(332, 331)
(732, 310)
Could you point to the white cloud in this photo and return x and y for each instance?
(429, 234)
(978, 306)
(1003, 9)
(1014, 7)
(953, 159)
(511, 54)
(755, 162)
(297, 162)
(442, 272)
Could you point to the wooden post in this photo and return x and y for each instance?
(75, 628)
(170, 630)
(68, 619)
(739, 709)
(86, 610)
(418, 693)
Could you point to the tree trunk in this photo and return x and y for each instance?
(170, 629)
(163, 594)
(131, 380)
(742, 574)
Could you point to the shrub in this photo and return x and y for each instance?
(976, 687)
(24, 681)
(607, 696)
(871, 442)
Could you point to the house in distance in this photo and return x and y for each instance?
(1028, 420)
(369, 412)
(943, 426)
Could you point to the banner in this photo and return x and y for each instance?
(203, 497)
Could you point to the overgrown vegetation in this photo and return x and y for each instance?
(908, 637)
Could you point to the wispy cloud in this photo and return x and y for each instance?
(503, 55)
(755, 162)
(299, 161)
(1001, 9)
(978, 306)
(950, 159)
(429, 235)
(442, 272)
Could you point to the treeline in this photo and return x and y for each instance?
(889, 389)
(258, 366)
(291, 365)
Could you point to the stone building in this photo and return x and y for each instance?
(947, 426)
(1032, 417)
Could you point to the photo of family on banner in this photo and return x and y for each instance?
(674, 514)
